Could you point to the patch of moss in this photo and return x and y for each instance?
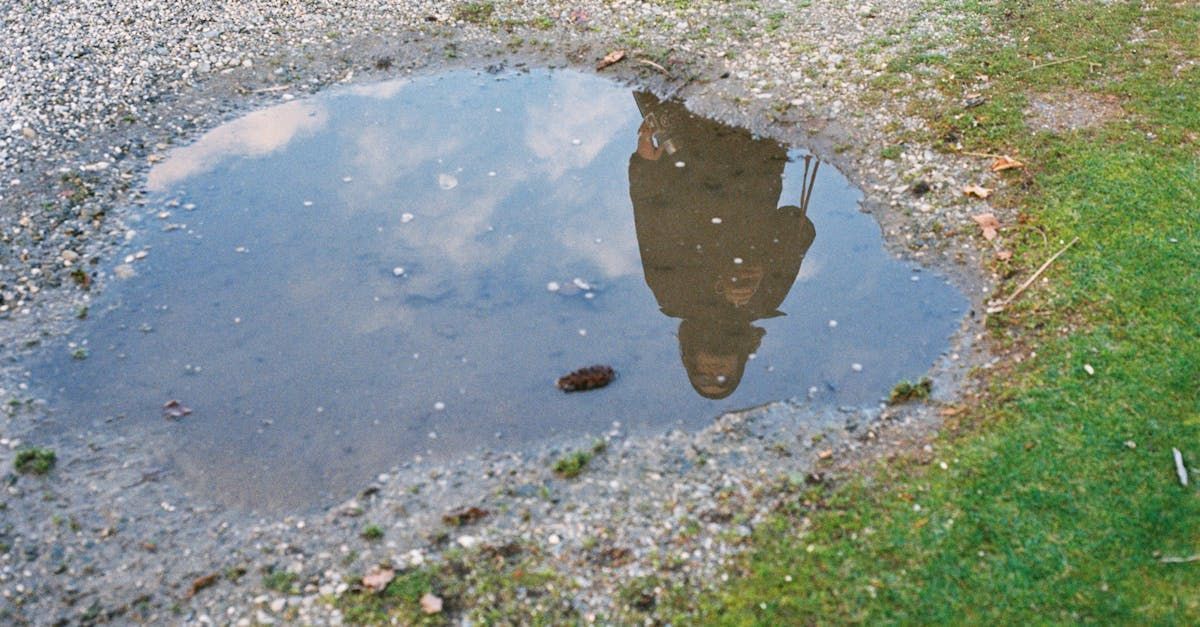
(35, 461)
(907, 391)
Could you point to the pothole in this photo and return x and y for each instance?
(403, 270)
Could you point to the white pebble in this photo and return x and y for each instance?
(575, 142)
(439, 406)
(856, 367)
(552, 286)
(679, 164)
(405, 218)
(398, 271)
(1089, 369)
(347, 179)
(833, 324)
(716, 220)
(737, 260)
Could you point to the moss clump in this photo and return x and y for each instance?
(906, 391)
(35, 461)
(372, 533)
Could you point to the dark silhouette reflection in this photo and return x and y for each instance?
(717, 249)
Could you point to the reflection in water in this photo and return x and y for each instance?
(273, 307)
(717, 249)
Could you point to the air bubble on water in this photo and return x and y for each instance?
(405, 218)
(447, 181)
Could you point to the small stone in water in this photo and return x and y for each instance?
(581, 284)
(552, 286)
(398, 271)
(439, 406)
(406, 218)
(832, 324)
(447, 181)
(856, 367)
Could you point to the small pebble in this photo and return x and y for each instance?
(856, 367)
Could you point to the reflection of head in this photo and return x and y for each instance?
(715, 352)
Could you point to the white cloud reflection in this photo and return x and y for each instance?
(571, 130)
(257, 134)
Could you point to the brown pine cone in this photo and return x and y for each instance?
(588, 378)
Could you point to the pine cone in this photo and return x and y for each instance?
(588, 378)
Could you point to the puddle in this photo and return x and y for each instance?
(339, 284)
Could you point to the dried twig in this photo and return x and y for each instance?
(1180, 469)
(980, 154)
(1042, 65)
(653, 65)
(270, 89)
(1180, 560)
(1008, 301)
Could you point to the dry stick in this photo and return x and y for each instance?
(654, 65)
(1008, 301)
(981, 154)
(1180, 560)
(1040, 66)
(1180, 470)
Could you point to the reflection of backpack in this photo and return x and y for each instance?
(660, 120)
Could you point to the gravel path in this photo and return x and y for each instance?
(92, 92)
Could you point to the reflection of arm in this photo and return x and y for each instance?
(645, 146)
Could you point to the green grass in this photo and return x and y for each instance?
(372, 533)
(1043, 513)
(36, 461)
(908, 391)
(572, 464)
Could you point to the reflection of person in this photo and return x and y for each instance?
(717, 251)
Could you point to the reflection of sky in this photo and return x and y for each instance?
(255, 135)
(332, 371)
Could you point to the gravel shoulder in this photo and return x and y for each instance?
(93, 92)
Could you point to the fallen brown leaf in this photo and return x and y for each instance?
(952, 411)
(378, 578)
(431, 604)
(826, 454)
(977, 191)
(175, 409)
(989, 224)
(1005, 162)
(200, 583)
(610, 58)
(1004, 255)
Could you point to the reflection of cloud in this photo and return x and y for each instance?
(579, 114)
(379, 91)
(256, 134)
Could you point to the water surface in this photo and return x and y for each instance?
(338, 284)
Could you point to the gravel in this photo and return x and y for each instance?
(92, 92)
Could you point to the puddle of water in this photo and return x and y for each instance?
(339, 284)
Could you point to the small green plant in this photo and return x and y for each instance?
(475, 12)
(279, 580)
(572, 464)
(80, 353)
(36, 461)
(906, 391)
(891, 153)
(372, 533)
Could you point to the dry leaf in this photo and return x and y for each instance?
(989, 224)
(952, 411)
(977, 191)
(378, 578)
(200, 583)
(610, 58)
(175, 409)
(1004, 162)
(431, 604)
(1004, 255)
